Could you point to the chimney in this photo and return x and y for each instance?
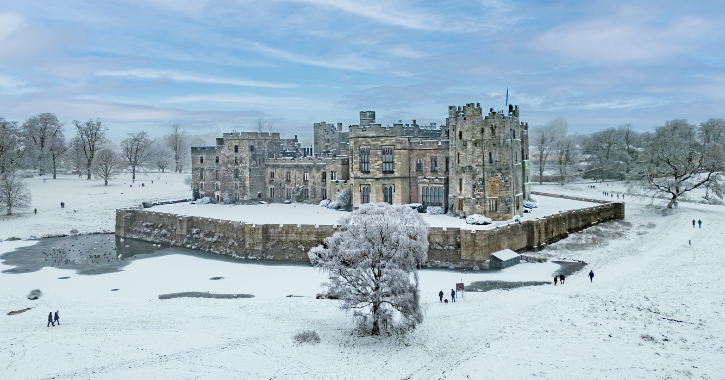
(339, 127)
(414, 122)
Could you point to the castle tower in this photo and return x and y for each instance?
(367, 118)
(486, 157)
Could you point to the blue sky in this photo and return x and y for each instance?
(143, 65)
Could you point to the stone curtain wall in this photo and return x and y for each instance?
(449, 247)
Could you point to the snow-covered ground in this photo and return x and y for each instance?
(277, 213)
(654, 311)
(89, 205)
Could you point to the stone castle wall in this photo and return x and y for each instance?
(449, 247)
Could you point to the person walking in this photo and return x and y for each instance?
(453, 295)
(50, 319)
(556, 279)
(562, 278)
(699, 223)
(591, 276)
(693, 223)
(440, 295)
(56, 318)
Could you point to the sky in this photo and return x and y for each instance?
(222, 65)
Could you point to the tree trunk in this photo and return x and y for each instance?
(88, 167)
(54, 168)
(133, 171)
(376, 323)
(673, 201)
(105, 182)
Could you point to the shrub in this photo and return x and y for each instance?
(324, 203)
(308, 336)
(435, 210)
(332, 205)
(478, 219)
(74, 231)
(202, 201)
(34, 294)
(344, 199)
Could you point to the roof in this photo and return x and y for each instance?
(505, 254)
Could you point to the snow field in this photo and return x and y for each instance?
(90, 206)
(278, 213)
(654, 311)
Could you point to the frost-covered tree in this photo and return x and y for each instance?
(605, 149)
(712, 131)
(343, 198)
(177, 141)
(567, 158)
(39, 131)
(107, 164)
(57, 150)
(12, 145)
(372, 263)
(13, 192)
(298, 193)
(675, 162)
(161, 156)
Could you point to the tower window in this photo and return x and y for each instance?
(201, 174)
(419, 164)
(460, 135)
(365, 160)
(217, 159)
(236, 148)
(388, 159)
(434, 164)
(251, 148)
(324, 176)
(460, 185)
(490, 158)
(201, 159)
(365, 194)
(388, 194)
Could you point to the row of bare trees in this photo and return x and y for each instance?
(674, 159)
(39, 144)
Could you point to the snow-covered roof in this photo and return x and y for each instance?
(505, 254)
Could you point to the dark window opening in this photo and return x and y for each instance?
(490, 158)
(434, 164)
(217, 159)
(419, 165)
(387, 159)
(388, 194)
(365, 195)
(365, 160)
(236, 148)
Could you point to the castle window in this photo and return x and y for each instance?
(447, 165)
(460, 185)
(271, 175)
(217, 159)
(236, 148)
(201, 159)
(432, 196)
(216, 186)
(236, 185)
(251, 148)
(365, 160)
(490, 158)
(236, 173)
(289, 193)
(201, 174)
(271, 192)
(288, 177)
(306, 193)
(419, 165)
(324, 176)
(365, 194)
(236, 160)
(434, 164)
(388, 194)
(306, 176)
(333, 176)
(216, 174)
(514, 131)
(493, 132)
(460, 204)
(460, 135)
(388, 159)
(493, 204)
(201, 186)
(459, 158)
(324, 193)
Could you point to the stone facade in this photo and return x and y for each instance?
(472, 164)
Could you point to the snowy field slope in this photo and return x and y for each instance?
(654, 311)
(277, 213)
(90, 206)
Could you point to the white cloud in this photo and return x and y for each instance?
(10, 85)
(10, 23)
(631, 35)
(184, 77)
(350, 62)
(252, 101)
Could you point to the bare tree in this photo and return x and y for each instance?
(13, 192)
(629, 143)
(545, 138)
(603, 145)
(176, 140)
(161, 155)
(39, 131)
(567, 157)
(76, 155)
(91, 135)
(136, 150)
(674, 163)
(712, 131)
(57, 150)
(107, 164)
(372, 264)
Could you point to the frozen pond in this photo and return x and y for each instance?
(90, 265)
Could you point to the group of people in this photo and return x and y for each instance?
(53, 319)
(560, 278)
(453, 296)
(699, 223)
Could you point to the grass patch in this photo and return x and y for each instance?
(308, 336)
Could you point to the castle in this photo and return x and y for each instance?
(473, 164)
